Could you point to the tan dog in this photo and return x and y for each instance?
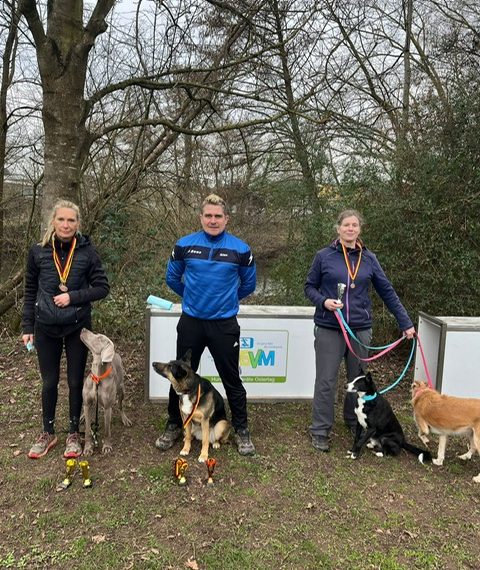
(446, 415)
(102, 387)
(201, 405)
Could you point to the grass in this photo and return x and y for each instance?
(287, 508)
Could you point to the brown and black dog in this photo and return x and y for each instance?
(201, 405)
(446, 415)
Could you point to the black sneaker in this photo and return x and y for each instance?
(320, 443)
(244, 443)
(168, 438)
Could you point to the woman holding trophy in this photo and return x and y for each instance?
(340, 278)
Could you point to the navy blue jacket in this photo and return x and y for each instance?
(211, 274)
(328, 269)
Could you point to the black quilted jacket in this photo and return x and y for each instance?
(87, 282)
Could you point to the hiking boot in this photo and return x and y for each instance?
(73, 446)
(244, 443)
(320, 443)
(43, 445)
(168, 438)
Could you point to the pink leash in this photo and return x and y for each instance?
(424, 360)
(347, 340)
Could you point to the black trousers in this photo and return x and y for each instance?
(222, 338)
(49, 351)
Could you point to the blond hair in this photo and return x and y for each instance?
(215, 200)
(50, 228)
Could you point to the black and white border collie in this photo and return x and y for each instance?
(377, 425)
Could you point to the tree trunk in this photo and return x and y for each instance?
(62, 55)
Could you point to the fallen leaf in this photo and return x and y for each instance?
(98, 538)
(191, 563)
(17, 452)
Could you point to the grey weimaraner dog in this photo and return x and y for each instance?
(105, 382)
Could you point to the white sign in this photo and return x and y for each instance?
(277, 359)
(263, 357)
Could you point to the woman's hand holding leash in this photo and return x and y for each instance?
(409, 333)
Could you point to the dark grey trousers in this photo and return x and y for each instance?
(330, 348)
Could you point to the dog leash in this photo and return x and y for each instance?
(96, 380)
(397, 381)
(424, 361)
(187, 421)
(384, 349)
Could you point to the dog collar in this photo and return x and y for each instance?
(187, 421)
(98, 379)
(367, 398)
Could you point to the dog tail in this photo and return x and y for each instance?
(423, 455)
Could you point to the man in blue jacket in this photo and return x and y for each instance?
(212, 271)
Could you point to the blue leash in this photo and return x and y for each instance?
(373, 396)
(352, 334)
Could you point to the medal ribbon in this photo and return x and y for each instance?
(63, 273)
(352, 273)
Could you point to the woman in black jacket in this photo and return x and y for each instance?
(63, 276)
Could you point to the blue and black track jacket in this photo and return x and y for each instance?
(211, 274)
(328, 269)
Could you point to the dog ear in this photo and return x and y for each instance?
(187, 357)
(108, 352)
(178, 371)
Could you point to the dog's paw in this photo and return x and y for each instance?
(107, 448)
(202, 458)
(437, 461)
(352, 455)
(216, 445)
(466, 456)
(379, 454)
(88, 450)
(185, 451)
(476, 479)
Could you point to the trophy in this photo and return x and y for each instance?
(70, 465)
(210, 466)
(340, 291)
(180, 467)
(87, 482)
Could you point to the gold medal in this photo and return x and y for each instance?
(63, 272)
(352, 270)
